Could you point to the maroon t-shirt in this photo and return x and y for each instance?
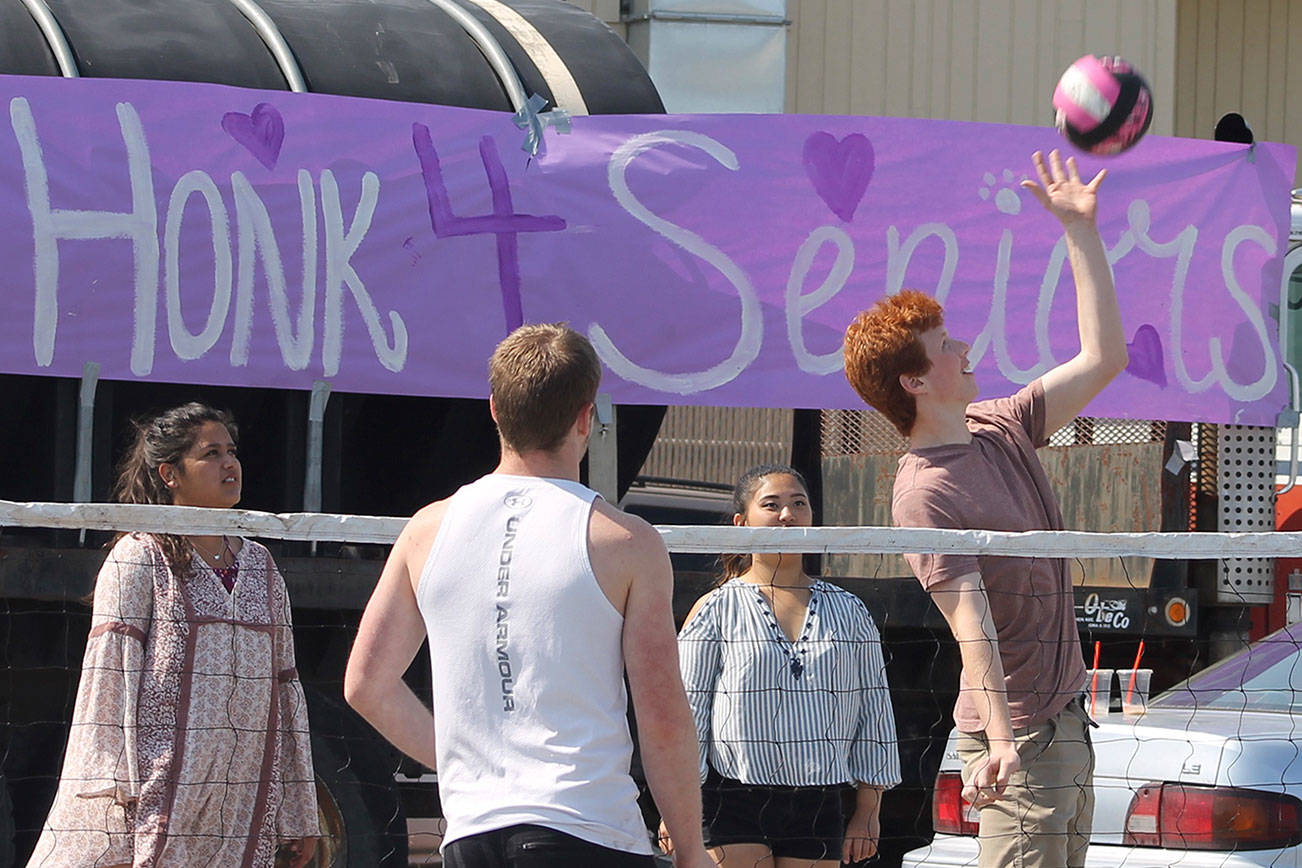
(996, 482)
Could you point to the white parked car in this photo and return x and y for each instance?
(1210, 776)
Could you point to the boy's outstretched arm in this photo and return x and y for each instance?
(1073, 384)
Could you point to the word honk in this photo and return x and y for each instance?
(233, 271)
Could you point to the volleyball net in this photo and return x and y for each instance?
(378, 808)
(369, 529)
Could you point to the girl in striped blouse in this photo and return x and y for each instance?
(785, 677)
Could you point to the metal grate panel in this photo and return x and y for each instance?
(1245, 479)
(859, 432)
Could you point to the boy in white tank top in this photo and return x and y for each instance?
(537, 597)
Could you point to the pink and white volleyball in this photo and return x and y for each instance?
(1103, 105)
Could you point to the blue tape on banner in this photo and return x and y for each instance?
(530, 118)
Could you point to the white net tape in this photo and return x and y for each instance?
(678, 538)
(192, 520)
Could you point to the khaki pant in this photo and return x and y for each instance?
(1044, 819)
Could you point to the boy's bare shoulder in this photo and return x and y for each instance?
(424, 525)
(614, 528)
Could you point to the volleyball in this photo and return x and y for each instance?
(1103, 105)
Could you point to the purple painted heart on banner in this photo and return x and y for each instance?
(261, 132)
(1146, 356)
(839, 170)
(1247, 358)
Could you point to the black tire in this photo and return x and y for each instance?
(349, 836)
(363, 823)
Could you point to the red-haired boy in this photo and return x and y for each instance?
(1024, 737)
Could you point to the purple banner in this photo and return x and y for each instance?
(199, 233)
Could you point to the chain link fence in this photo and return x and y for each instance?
(867, 432)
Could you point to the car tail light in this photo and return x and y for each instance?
(951, 814)
(1189, 817)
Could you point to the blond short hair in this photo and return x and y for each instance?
(541, 376)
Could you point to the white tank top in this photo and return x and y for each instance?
(530, 711)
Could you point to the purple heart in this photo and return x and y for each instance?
(261, 132)
(1146, 356)
(1247, 357)
(839, 170)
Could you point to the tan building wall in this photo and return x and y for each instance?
(998, 60)
(1234, 56)
(970, 60)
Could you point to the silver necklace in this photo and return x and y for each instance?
(219, 557)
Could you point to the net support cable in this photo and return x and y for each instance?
(698, 539)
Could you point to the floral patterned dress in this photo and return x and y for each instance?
(189, 743)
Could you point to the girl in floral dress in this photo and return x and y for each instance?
(189, 743)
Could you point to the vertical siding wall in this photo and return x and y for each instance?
(718, 444)
(970, 60)
(1234, 57)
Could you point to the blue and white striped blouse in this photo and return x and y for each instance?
(815, 712)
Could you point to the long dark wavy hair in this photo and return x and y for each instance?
(158, 440)
(734, 564)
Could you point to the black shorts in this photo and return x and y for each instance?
(528, 846)
(796, 822)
